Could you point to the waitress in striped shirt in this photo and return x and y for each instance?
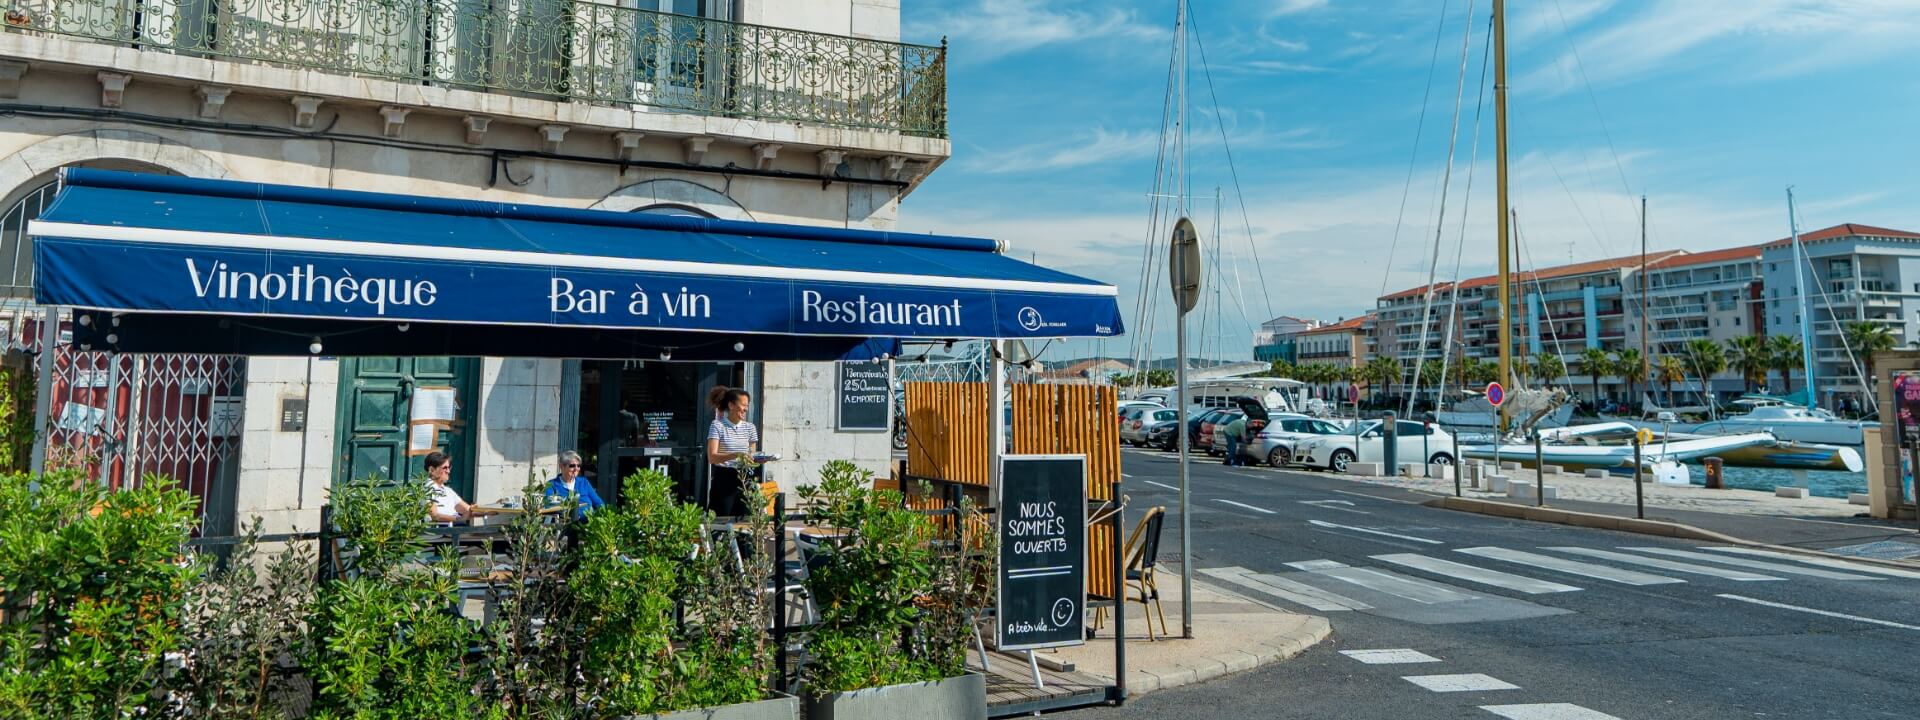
(729, 438)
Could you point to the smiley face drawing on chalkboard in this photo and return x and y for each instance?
(1062, 612)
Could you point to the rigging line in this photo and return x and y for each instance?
(1446, 183)
(1147, 303)
(1466, 204)
(1566, 32)
(1544, 318)
(1419, 130)
(1232, 171)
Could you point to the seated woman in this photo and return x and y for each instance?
(446, 506)
(569, 486)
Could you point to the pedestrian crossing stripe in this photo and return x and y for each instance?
(1571, 567)
(1755, 564)
(1822, 562)
(1546, 711)
(1722, 573)
(1475, 574)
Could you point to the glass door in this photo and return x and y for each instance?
(643, 415)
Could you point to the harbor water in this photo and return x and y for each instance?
(1822, 483)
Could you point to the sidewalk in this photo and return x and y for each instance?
(1230, 634)
(1830, 525)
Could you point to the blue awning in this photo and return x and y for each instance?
(294, 260)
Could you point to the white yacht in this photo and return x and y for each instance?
(1791, 423)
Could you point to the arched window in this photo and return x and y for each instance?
(16, 252)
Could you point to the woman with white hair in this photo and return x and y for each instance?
(569, 486)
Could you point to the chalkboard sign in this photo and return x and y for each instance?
(1042, 516)
(865, 396)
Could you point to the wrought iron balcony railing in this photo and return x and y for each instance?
(560, 49)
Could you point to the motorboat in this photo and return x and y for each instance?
(1782, 454)
(1578, 447)
(1791, 423)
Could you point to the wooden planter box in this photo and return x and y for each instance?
(955, 698)
(783, 707)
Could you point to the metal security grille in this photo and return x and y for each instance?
(122, 419)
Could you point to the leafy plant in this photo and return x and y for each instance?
(530, 670)
(635, 565)
(17, 393)
(94, 579)
(893, 592)
(242, 631)
(388, 641)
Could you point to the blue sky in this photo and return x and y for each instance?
(1710, 108)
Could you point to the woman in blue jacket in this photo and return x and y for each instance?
(570, 486)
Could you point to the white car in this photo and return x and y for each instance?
(1335, 452)
(1275, 443)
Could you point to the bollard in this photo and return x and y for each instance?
(1389, 442)
(1715, 467)
(1539, 472)
(1639, 501)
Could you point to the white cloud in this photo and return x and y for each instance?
(1806, 34)
(1276, 67)
(997, 28)
(1093, 147)
(1290, 7)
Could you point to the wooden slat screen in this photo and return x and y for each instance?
(1076, 420)
(948, 438)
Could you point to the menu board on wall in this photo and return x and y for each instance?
(866, 396)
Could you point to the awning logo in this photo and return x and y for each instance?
(1030, 318)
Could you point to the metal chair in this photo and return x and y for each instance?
(1142, 554)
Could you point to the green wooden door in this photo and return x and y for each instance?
(375, 403)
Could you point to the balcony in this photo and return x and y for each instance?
(1676, 310)
(568, 50)
(1681, 334)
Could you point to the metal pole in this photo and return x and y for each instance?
(996, 416)
(1639, 500)
(43, 386)
(1800, 288)
(780, 591)
(1180, 338)
(1539, 472)
(1119, 598)
(1646, 324)
(1457, 464)
(1500, 149)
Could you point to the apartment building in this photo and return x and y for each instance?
(1275, 340)
(1853, 272)
(1341, 343)
(1711, 295)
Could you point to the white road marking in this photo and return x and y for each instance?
(1325, 524)
(1420, 591)
(1377, 497)
(1291, 591)
(1598, 572)
(1681, 567)
(1244, 505)
(1816, 611)
(1164, 485)
(1248, 474)
(1471, 573)
(1546, 711)
(1311, 565)
(1390, 657)
(1755, 564)
(1822, 562)
(1334, 505)
(1469, 682)
(1124, 475)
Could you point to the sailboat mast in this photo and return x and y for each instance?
(1800, 288)
(1500, 161)
(1646, 327)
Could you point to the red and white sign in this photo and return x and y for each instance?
(1496, 394)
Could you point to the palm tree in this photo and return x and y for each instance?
(1548, 367)
(1433, 376)
(1667, 372)
(1283, 369)
(1706, 359)
(1381, 371)
(1595, 363)
(1867, 337)
(1631, 367)
(1751, 355)
(1786, 353)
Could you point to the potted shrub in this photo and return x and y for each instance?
(670, 621)
(896, 591)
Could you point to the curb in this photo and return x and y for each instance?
(1316, 630)
(1635, 525)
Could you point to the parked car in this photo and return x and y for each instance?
(1210, 422)
(1141, 420)
(1274, 444)
(1165, 435)
(1335, 452)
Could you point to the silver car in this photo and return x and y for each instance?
(1136, 425)
(1275, 444)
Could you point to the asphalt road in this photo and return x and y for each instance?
(1567, 623)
